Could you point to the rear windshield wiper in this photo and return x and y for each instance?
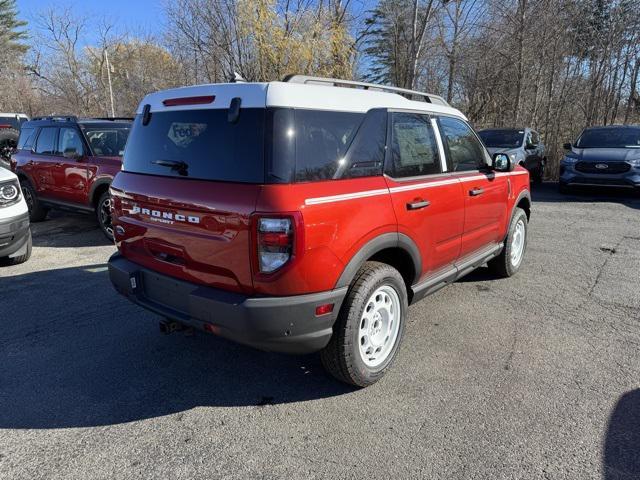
(175, 165)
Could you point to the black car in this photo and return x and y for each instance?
(603, 156)
(10, 124)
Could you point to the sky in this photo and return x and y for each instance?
(137, 16)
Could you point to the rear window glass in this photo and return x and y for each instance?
(199, 144)
(26, 138)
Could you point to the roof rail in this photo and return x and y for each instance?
(57, 118)
(113, 119)
(306, 80)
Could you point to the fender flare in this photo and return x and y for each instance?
(523, 194)
(379, 243)
(22, 174)
(97, 184)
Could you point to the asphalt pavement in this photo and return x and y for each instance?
(533, 377)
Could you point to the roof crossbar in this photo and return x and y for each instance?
(422, 96)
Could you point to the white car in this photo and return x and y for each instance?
(15, 235)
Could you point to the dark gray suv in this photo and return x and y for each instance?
(603, 156)
(523, 145)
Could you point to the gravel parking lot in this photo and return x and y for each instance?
(534, 377)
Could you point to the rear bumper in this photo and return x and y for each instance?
(14, 234)
(279, 324)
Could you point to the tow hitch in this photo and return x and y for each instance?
(170, 326)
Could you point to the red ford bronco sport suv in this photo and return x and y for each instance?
(302, 216)
(69, 163)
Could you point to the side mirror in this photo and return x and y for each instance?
(530, 146)
(502, 162)
(71, 153)
(567, 146)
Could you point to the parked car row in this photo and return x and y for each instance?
(296, 216)
(69, 163)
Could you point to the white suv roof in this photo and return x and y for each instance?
(293, 95)
(19, 115)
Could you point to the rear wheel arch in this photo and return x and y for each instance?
(23, 176)
(394, 249)
(524, 202)
(97, 189)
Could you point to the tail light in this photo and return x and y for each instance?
(275, 242)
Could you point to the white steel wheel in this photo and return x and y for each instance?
(379, 326)
(368, 330)
(518, 242)
(508, 262)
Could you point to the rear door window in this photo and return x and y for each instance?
(414, 150)
(200, 144)
(47, 141)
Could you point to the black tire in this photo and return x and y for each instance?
(103, 214)
(37, 212)
(504, 265)
(342, 357)
(24, 256)
(8, 143)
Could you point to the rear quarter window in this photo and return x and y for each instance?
(312, 145)
(27, 136)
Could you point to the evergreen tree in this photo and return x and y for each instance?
(387, 42)
(11, 32)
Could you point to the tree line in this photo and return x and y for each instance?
(554, 65)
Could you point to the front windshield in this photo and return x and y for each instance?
(502, 138)
(107, 141)
(614, 137)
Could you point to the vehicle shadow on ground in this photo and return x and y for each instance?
(548, 193)
(621, 456)
(79, 355)
(66, 229)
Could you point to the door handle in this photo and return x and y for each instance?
(476, 191)
(418, 205)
